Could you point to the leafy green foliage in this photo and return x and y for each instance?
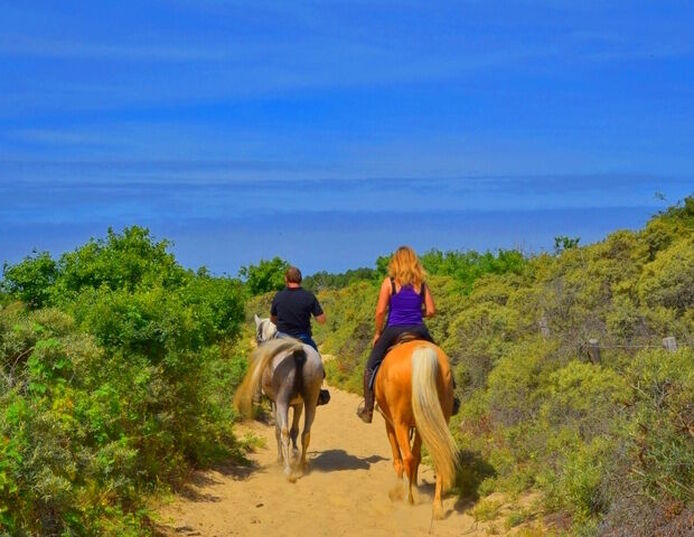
(667, 280)
(562, 242)
(123, 261)
(609, 444)
(661, 431)
(323, 280)
(264, 277)
(120, 374)
(467, 267)
(31, 279)
(125, 382)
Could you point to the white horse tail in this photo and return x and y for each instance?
(259, 360)
(428, 415)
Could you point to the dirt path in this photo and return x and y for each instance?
(346, 491)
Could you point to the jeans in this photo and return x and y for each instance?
(304, 338)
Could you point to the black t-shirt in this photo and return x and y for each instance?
(293, 307)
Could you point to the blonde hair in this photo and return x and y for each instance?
(405, 267)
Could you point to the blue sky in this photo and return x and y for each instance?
(331, 132)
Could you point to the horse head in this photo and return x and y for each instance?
(265, 330)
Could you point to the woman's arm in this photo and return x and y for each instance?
(429, 306)
(381, 308)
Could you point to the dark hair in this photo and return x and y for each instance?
(293, 275)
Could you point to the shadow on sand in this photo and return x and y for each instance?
(334, 460)
(473, 470)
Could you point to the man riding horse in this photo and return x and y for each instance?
(291, 312)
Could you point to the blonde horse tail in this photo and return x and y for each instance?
(428, 415)
(259, 360)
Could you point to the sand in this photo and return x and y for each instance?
(350, 489)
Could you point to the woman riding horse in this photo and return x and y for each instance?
(407, 300)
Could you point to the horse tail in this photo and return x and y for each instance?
(299, 356)
(429, 419)
(260, 358)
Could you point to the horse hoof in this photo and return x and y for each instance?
(397, 493)
(438, 512)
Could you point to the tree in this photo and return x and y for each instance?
(31, 279)
(264, 277)
(563, 242)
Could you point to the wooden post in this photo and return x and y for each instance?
(594, 351)
(544, 327)
(670, 343)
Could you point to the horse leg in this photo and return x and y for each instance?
(278, 435)
(306, 434)
(402, 432)
(417, 454)
(294, 431)
(283, 426)
(397, 458)
(438, 503)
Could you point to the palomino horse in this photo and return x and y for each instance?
(290, 373)
(414, 391)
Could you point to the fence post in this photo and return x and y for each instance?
(670, 343)
(594, 351)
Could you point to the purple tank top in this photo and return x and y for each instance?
(405, 307)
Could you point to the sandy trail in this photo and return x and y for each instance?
(346, 491)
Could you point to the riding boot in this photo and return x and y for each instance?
(456, 400)
(323, 397)
(366, 412)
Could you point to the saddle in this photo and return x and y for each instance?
(405, 337)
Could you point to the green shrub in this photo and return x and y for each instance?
(264, 277)
(667, 280)
(30, 280)
(124, 387)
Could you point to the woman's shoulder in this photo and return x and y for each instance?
(388, 285)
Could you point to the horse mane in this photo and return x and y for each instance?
(428, 415)
(260, 358)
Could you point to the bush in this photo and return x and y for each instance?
(264, 277)
(30, 280)
(124, 387)
(667, 281)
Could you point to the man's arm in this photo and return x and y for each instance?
(273, 310)
(317, 311)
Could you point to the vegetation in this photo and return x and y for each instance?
(117, 373)
(610, 444)
(264, 277)
(118, 366)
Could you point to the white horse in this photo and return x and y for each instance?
(290, 373)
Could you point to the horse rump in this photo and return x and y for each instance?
(259, 360)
